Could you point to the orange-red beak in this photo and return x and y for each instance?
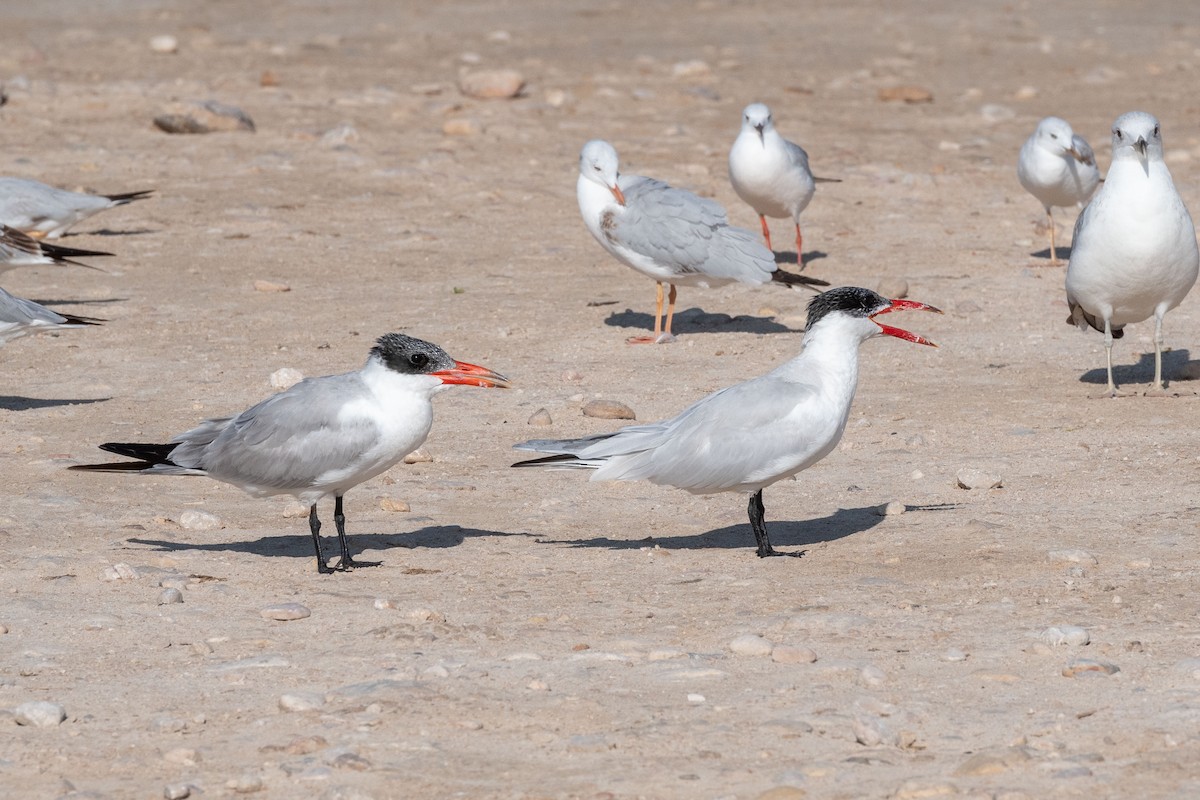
(472, 375)
(904, 305)
(617, 193)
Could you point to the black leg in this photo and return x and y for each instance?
(759, 526)
(339, 519)
(314, 525)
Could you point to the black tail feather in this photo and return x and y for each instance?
(152, 453)
(129, 197)
(558, 458)
(65, 253)
(792, 279)
(74, 320)
(826, 180)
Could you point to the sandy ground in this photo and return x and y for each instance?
(533, 635)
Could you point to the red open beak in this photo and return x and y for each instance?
(472, 375)
(617, 193)
(904, 305)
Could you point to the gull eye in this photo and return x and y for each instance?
(1054, 136)
(1156, 130)
(418, 360)
(1118, 134)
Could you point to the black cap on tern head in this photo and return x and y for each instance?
(853, 300)
(409, 355)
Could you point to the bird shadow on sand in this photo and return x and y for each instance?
(799, 533)
(695, 320)
(111, 232)
(1064, 255)
(15, 403)
(1141, 372)
(100, 302)
(299, 545)
(788, 257)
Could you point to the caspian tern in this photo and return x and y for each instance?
(21, 250)
(770, 173)
(752, 434)
(44, 211)
(322, 436)
(19, 317)
(1058, 167)
(668, 234)
(1134, 253)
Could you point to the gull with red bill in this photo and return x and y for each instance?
(748, 436)
(322, 436)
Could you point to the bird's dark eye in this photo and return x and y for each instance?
(1156, 130)
(1054, 136)
(1117, 133)
(418, 360)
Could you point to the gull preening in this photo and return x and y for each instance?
(41, 211)
(1134, 252)
(1058, 167)
(752, 434)
(322, 436)
(20, 317)
(21, 250)
(770, 173)
(668, 234)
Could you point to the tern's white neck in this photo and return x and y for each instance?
(388, 385)
(829, 359)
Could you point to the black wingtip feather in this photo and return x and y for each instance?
(129, 197)
(792, 279)
(150, 453)
(541, 462)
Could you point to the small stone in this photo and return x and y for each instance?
(271, 286)
(608, 409)
(3, 629)
(394, 505)
(893, 509)
(1086, 666)
(168, 596)
(1025, 93)
(268, 79)
(905, 94)
(247, 784)
(541, 418)
(462, 126)
(193, 520)
(120, 572)
(301, 701)
(491, 83)
(792, 654)
(557, 98)
(184, 756)
(1072, 556)
(954, 654)
(873, 732)
(1066, 634)
(385, 604)
(979, 478)
(695, 697)
(164, 44)
(695, 68)
(418, 456)
(285, 612)
(871, 675)
(922, 790)
(892, 288)
(351, 761)
(206, 117)
(177, 791)
(303, 745)
(783, 793)
(750, 645)
(286, 378)
(572, 376)
(39, 714)
(343, 135)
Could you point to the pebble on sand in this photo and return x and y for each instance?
(285, 612)
(1072, 556)
(491, 83)
(392, 504)
(418, 456)
(286, 378)
(177, 791)
(792, 654)
(462, 126)
(608, 409)
(893, 508)
(873, 732)
(301, 701)
(1066, 634)
(166, 44)
(1082, 667)
(751, 645)
(170, 596)
(541, 418)
(194, 520)
(271, 286)
(39, 714)
(905, 94)
(120, 572)
(206, 117)
(979, 478)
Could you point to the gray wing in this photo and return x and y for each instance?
(26, 204)
(18, 310)
(284, 443)
(1086, 155)
(796, 154)
(689, 234)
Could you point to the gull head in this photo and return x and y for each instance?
(757, 117)
(1137, 135)
(598, 163)
(1055, 134)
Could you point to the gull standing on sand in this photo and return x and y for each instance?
(322, 436)
(752, 434)
(19, 317)
(1134, 251)
(770, 173)
(20, 250)
(668, 234)
(44, 211)
(1058, 167)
